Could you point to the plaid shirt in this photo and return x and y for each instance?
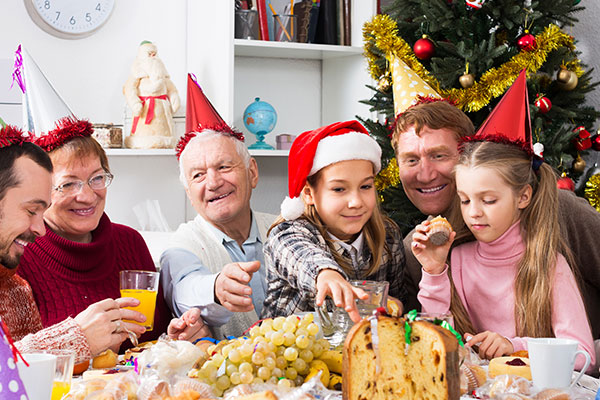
(295, 253)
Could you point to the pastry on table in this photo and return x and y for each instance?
(386, 368)
(439, 230)
(106, 359)
(509, 366)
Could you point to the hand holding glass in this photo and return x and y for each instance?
(141, 285)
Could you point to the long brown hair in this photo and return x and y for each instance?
(535, 270)
(374, 233)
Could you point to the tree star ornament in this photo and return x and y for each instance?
(424, 48)
(527, 42)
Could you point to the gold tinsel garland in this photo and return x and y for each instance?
(382, 33)
(592, 191)
(389, 176)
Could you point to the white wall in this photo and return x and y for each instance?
(89, 74)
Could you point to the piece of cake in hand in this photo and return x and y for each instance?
(377, 364)
(439, 230)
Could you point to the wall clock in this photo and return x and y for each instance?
(69, 19)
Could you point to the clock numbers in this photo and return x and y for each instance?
(69, 19)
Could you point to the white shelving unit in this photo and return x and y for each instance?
(309, 85)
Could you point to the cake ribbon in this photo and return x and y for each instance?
(412, 315)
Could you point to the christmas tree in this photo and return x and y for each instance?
(470, 52)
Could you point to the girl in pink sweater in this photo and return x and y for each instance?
(514, 281)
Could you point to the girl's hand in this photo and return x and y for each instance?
(189, 327)
(431, 257)
(491, 344)
(332, 283)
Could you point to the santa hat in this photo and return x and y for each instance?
(11, 135)
(200, 115)
(315, 150)
(509, 122)
(45, 114)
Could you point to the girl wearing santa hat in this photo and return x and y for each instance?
(331, 229)
(514, 281)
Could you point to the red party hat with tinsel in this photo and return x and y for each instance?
(46, 115)
(200, 115)
(11, 135)
(509, 122)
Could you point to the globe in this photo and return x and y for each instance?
(260, 118)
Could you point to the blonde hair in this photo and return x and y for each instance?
(77, 148)
(374, 233)
(535, 270)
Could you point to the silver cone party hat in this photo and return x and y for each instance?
(42, 105)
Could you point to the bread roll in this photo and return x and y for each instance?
(107, 359)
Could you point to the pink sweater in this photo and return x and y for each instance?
(484, 275)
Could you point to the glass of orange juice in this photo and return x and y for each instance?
(65, 360)
(141, 285)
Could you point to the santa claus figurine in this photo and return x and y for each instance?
(153, 99)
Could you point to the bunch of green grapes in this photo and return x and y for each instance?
(278, 351)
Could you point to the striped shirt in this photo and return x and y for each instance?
(295, 253)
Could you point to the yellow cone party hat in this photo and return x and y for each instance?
(407, 85)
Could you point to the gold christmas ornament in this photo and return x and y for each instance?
(467, 80)
(384, 84)
(592, 191)
(566, 80)
(579, 165)
(381, 35)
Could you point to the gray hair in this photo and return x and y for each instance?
(206, 135)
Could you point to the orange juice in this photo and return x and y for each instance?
(147, 300)
(59, 389)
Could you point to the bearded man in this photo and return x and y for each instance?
(153, 99)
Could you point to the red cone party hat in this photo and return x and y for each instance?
(509, 121)
(314, 150)
(200, 115)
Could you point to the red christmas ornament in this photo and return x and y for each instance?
(543, 104)
(596, 142)
(565, 183)
(527, 42)
(424, 48)
(582, 141)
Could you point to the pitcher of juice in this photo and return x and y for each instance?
(141, 285)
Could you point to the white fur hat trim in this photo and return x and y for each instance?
(349, 146)
(292, 208)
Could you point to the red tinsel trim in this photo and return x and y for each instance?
(421, 100)
(66, 129)
(498, 138)
(219, 128)
(10, 135)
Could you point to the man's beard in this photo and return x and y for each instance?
(12, 262)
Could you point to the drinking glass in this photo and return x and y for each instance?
(141, 285)
(65, 360)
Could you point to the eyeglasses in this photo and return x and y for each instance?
(96, 182)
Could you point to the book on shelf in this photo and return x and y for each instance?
(347, 4)
(327, 32)
(263, 23)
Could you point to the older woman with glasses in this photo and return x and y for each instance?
(78, 261)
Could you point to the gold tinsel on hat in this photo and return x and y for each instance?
(592, 191)
(389, 176)
(382, 34)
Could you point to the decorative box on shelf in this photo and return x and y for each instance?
(284, 141)
(108, 135)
